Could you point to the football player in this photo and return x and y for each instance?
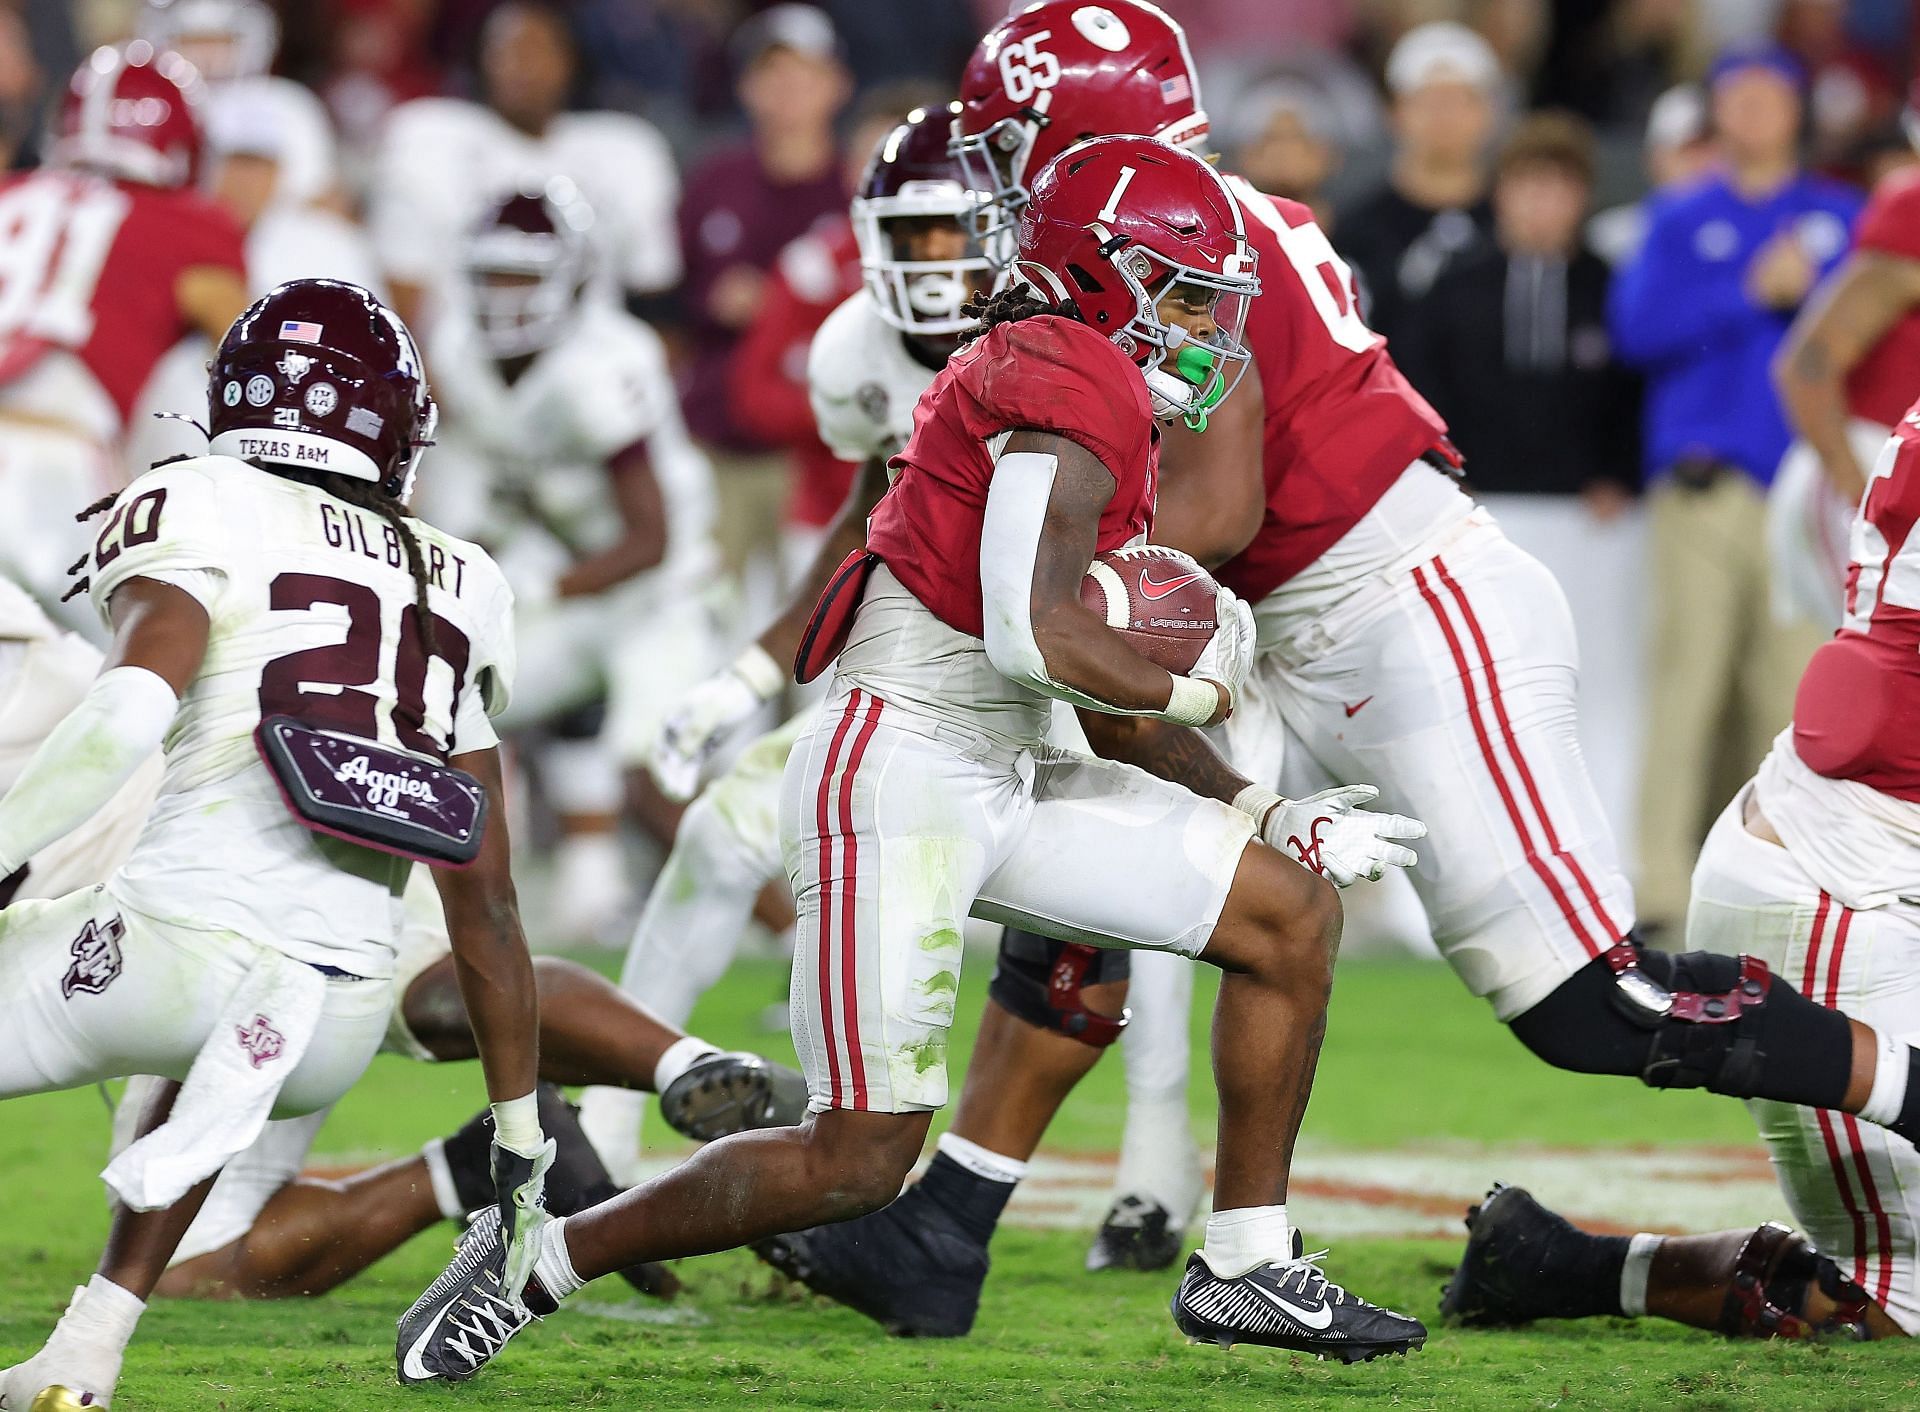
(866, 368)
(112, 258)
(1813, 871)
(319, 668)
(924, 788)
(561, 421)
(1402, 638)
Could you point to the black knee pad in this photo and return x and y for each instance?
(1775, 1272)
(1040, 980)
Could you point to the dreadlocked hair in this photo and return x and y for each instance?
(85, 581)
(1011, 305)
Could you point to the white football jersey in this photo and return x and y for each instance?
(284, 118)
(312, 613)
(528, 461)
(863, 382)
(441, 161)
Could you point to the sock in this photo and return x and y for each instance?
(1246, 1238)
(553, 1267)
(446, 1195)
(1582, 1275)
(973, 1200)
(1892, 1069)
(1908, 1125)
(108, 1309)
(681, 1056)
(1157, 1157)
(980, 1161)
(1634, 1269)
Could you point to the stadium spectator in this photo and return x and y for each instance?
(1679, 147)
(1446, 85)
(441, 160)
(743, 205)
(1285, 143)
(1511, 346)
(1702, 309)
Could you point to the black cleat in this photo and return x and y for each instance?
(1138, 1234)
(456, 1327)
(733, 1092)
(909, 1267)
(1291, 1306)
(1518, 1264)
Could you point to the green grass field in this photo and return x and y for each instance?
(1412, 1065)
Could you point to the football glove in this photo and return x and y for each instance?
(1229, 655)
(706, 716)
(519, 1184)
(1330, 834)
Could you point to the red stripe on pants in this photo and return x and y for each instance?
(1514, 815)
(849, 948)
(1567, 860)
(1869, 1190)
(823, 826)
(1825, 1118)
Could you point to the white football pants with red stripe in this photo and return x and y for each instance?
(1449, 681)
(1854, 1188)
(895, 826)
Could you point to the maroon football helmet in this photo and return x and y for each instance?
(320, 374)
(133, 114)
(912, 177)
(1057, 73)
(528, 260)
(1113, 225)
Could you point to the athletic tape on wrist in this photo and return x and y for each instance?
(1255, 800)
(760, 672)
(516, 1125)
(1194, 701)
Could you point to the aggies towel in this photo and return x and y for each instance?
(229, 1093)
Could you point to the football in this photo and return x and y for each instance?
(1165, 603)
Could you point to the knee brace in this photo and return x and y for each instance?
(1775, 1272)
(1040, 980)
(1704, 1015)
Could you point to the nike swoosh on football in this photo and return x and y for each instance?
(1151, 589)
(412, 1366)
(1313, 1318)
(1354, 709)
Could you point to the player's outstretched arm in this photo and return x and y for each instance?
(160, 639)
(713, 710)
(1038, 537)
(643, 535)
(496, 982)
(1842, 323)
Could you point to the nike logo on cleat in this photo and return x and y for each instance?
(1152, 588)
(1312, 1318)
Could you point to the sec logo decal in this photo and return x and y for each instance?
(259, 390)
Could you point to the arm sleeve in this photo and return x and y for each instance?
(1666, 303)
(164, 526)
(82, 764)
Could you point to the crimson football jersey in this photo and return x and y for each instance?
(1857, 714)
(1883, 383)
(1342, 423)
(1046, 374)
(89, 265)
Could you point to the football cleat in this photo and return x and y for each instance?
(463, 1320)
(908, 1266)
(1517, 1264)
(1138, 1234)
(733, 1092)
(63, 1399)
(78, 1366)
(1292, 1305)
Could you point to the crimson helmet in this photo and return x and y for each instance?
(1116, 224)
(1061, 71)
(133, 114)
(912, 178)
(320, 374)
(528, 260)
(224, 39)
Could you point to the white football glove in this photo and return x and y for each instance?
(1229, 655)
(1330, 834)
(706, 716)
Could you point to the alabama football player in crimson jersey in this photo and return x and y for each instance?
(1402, 639)
(924, 789)
(107, 257)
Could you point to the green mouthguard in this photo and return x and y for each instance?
(1196, 363)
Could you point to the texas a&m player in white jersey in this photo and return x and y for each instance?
(866, 369)
(563, 449)
(108, 256)
(319, 669)
(1813, 869)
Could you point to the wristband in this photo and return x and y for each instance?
(516, 1125)
(1194, 701)
(1257, 800)
(760, 672)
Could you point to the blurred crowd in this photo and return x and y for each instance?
(1584, 225)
